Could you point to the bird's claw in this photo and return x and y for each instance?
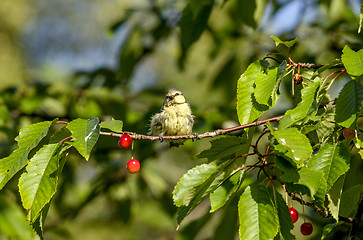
(161, 137)
(196, 135)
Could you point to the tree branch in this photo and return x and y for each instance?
(217, 132)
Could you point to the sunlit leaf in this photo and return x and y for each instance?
(349, 103)
(320, 195)
(198, 182)
(353, 61)
(248, 109)
(281, 69)
(113, 125)
(38, 184)
(265, 84)
(295, 143)
(311, 179)
(186, 188)
(257, 214)
(288, 44)
(332, 160)
(85, 134)
(307, 107)
(28, 138)
(222, 194)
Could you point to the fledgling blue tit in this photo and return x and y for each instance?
(175, 118)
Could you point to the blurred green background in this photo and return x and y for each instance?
(116, 59)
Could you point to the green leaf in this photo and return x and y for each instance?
(353, 61)
(295, 143)
(38, 224)
(60, 135)
(311, 179)
(350, 200)
(334, 196)
(288, 168)
(307, 107)
(257, 215)
(281, 69)
(221, 195)
(320, 195)
(193, 21)
(248, 109)
(267, 83)
(113, 125)
(186, 188)
(285, 220)
(198, 182)
(38, 184)
(224, 146)
(28, 138)
(332, 160)
(348, 104)
(85, 135)
(288, 44)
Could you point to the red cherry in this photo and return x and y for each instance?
(125, 141)
(348, 133)
(294, 214)
(306, 228)
(133, 166)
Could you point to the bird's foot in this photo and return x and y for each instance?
(196, 135)
(161, 137)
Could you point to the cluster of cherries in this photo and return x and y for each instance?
(133, 165)
(306, 228)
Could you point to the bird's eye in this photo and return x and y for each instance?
(176, 94)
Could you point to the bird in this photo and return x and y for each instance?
(175, 118)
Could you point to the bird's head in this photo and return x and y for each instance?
(174, 97)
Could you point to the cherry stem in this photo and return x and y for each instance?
(65, 139)
(132, 150)
(303, 208)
